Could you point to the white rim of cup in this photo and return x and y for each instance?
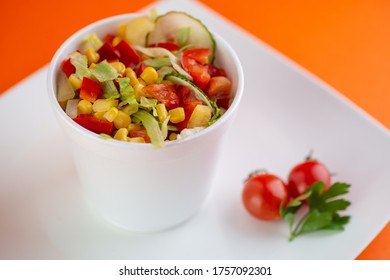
(55, 64)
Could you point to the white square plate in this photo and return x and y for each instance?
(285, 113)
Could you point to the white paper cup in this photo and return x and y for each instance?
(133, 185)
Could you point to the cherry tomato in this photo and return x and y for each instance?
(262, 195)
(304, 174)
(195, 62)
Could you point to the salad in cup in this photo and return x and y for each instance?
(153, 81)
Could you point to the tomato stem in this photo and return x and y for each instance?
(255, 172)
(310, 155)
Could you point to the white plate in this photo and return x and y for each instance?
(285, 112)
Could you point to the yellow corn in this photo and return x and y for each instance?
(136, 139)
(149, 75)
(74, 81)
(116, 40)
(133, 77)
(122, 30)
(119, 67)
(172, 136)
(177, 115)
(92, 55)
(93, 65)
(99, 115)
(162, 112)
(121, 134)
(111, 114)
(138, 91)
(122, 120)
(133, 126)
(84, 107)
(103, 105)
(200, 116)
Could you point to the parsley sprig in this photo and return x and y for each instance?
(323, 209)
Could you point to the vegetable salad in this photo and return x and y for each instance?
(153, 81)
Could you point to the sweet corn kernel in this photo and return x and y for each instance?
(111, 114)
(74, 81)
(138, 91)
(200, 116)
(92, 55)
(122, 120)
(136, 139)
(99, 115)
(133, 127)
(162, 112)
(133, 77)
(122, 30)
(172, 136)
(119, 67)
(116, 41)
(177, 115)
(121, 134)
(103, 105)
(149, 75)
(93, 65)
(84, 107)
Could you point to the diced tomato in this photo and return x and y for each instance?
(90, 89)
(127, 55)
(215, 71)
(95, 125)
(107, 51)
(195, 62)
(188, 101)
(108, 38)
(185, 95)
(67, 67)
(188, 109)
(219, 88)
(166, 45)
(140, 133)
(201, 55)
(164, 93)
(224, 103)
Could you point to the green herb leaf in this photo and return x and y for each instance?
(336, 189)
(323, 209)
(315, 220)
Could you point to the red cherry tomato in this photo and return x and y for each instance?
(263, 194)
(304, 174)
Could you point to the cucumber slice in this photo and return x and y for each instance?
(199, 94)
(182, 29)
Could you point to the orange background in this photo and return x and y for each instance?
(345, 43)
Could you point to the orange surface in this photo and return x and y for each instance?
(345, 43)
